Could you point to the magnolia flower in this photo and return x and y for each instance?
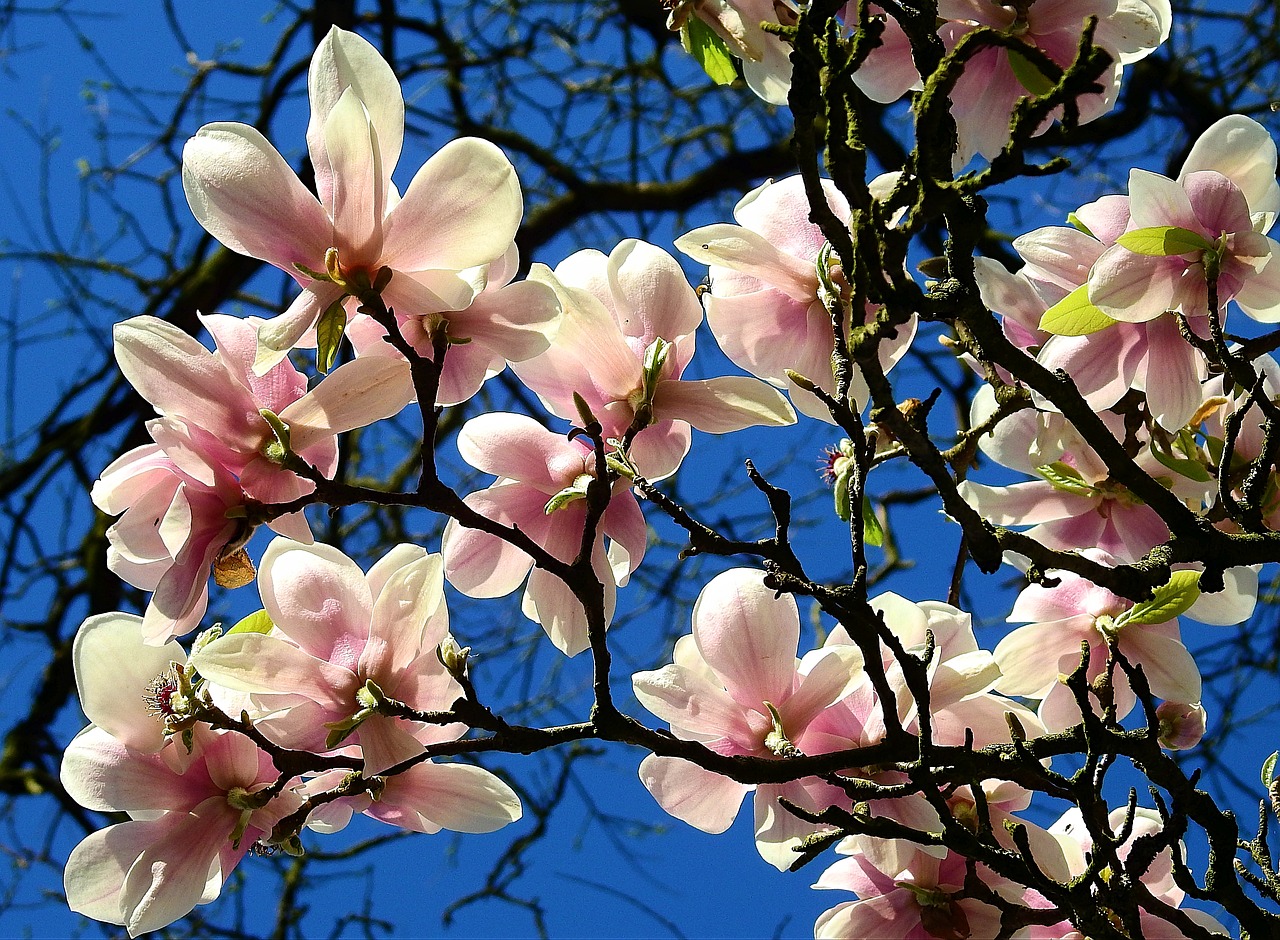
(343, 642)
(623, 345)
(1157, 878)
(764, 307)
(996, 77)
(736, 686)
(459, 214)
(922, 902)
(1034, 660)
(175, 530)
(195, 812)
(212, 404)
(541, 490)
(1209, 222)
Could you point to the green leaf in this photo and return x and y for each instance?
(710, 51)
(1163, 240)
(1074, 221)
(1269, 770)
(259, 622)
(1073, 315)
(1191, 469)
(872, 532)
(1065, 478)
(1167, 602)
(1029, 74)
(329, 330)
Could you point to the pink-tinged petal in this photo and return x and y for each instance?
(516, 447)
(182, 595)
(318, 597)
(779, 211)
(1242, 150)
(232, 760)
(354, 395)
(293, 526)
(721, 405)
(101, 773)
(237, 342)
(648, 294)
(172, 874)
(705, 800)
(549, 601)
(1169, 668)
(779, 831)
(1059, 254)
(748, 636)
(1103, 365)
(1031, 657)
(113, 668)
(1023, 503)
(1107, 217)
(179, 376)
(386, 742)
(765, 332)
(256, 662)
(1139, 528)
(346, 60)
(893, 915)
(740, 249)
(1157, 200)
(268, 482)
(461, 210)
(659, 449)
(1134, 288)
(426, 292)
(589, 356)
(467, 368)
(247, 197)
(1218, 203)
(829, 675)
(517, 321)
(358, 184)
(624, 523)
(1171, 375)
(692, 703)
(130, 477)
(1259, 296)
(405, 615)
(280, 334)
(457, 797)
(482, 565)
(93, 877)
(889, 71)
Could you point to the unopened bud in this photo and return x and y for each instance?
(1181, 725)
(453, 657)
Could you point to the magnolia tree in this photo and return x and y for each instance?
(899, 758)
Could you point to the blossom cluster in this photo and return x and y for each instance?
(338, 696)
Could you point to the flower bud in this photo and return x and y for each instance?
(1181, 725)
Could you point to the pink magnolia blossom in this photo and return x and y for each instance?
(922, 902)
(174, 530)
(1157, 878)
(624, 343)
(336, 631)
(764, 308)
(459, 214)
(195, 813)
(1226, 196)
(541, 488)
(736, 686)
(1035, 660)
(992, 82)
(211, 403)
(1151, 357)
(1074, 503)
